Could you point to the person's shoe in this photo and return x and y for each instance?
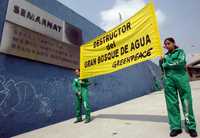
(175, 132)
(87, 120)
(192, 132)
(78, 120)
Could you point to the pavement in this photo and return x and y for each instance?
(143, 117)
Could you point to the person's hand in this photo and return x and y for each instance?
(78, 94)
(81, 82)
(161, 59)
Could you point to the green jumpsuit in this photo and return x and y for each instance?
(81, 97)
(176, 82)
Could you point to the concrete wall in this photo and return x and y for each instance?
(34, 94)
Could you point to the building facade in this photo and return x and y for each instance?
(35, 94)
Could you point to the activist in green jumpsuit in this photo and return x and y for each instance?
(80, 87)
(176, 83)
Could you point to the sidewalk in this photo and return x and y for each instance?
(144, 117)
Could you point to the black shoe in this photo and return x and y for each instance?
(78, 120)
(192, 132)
(175, 132)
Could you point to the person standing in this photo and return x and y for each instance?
(80, 87)
(176, 84)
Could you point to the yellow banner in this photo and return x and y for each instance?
(135, 40)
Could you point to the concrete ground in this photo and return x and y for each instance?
(144, 117)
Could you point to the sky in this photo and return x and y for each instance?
(177, 18)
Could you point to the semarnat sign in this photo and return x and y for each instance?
(31, 17)
(33, 33)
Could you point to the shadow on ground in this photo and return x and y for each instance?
(138, 117)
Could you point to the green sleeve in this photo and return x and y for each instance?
(177, 63)
(85, 83)
(74, 86)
